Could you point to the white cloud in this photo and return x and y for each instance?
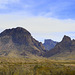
(38, 24)
(40, 27)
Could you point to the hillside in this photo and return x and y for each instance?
(63, 50)
(19, 42)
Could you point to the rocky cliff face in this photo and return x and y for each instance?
(65, 46)
(49, 44)
(20, 40)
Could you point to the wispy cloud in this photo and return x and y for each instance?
(47, 8)
(8, 1)
(4, 4)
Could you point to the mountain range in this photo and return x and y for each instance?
(18, 42)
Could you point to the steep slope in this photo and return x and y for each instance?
(65, 48)
(49, 44)
(20, 42)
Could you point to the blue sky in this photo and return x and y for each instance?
(43, 18)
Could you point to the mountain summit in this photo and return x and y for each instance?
(19, 41)
(19, 35)
(66, 39)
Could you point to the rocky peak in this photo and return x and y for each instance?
(49, 44)
(66, 39)
(22, 30)
(48, 41)
(19, 35)
(14, 31)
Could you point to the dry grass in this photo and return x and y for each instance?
(39, 66)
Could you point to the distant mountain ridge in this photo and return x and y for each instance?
(64, 48)
(49, 44)
(20, 42)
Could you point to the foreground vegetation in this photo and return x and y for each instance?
(41, 66)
